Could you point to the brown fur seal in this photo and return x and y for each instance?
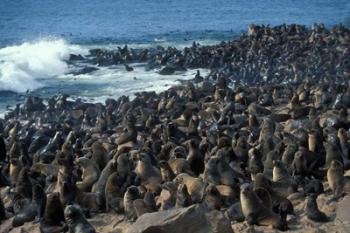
(183, 198)
(33, 209)
(23, 185)
(149, 175)
(90, 173)
(53, 218)
(113, 193)
(15, 168)
(194, 185)
(333, 152)
(343, 140)
(280, 173)
(180, 165)
(211, 174)
(335, 177)
(99, 155)
(131, 194)
(150, 201)
(255, 212)
(76, 220)
(140, 207)
(100, 185)
(167, 197)
(255, 164)
(129, 135)
(166, 172)
(212, 198)
(45, 169)
(312, 211)
(195, 158)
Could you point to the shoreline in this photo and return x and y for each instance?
(275, 105)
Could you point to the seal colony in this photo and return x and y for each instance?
(266, 130)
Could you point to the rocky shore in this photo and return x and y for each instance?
(261, 144)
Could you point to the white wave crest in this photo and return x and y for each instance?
(24, 67)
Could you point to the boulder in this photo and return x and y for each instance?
(195, 219)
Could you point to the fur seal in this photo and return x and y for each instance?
(113, 193)
(76, 220)
(53, 219)
(100, 185)
(312, 211)
(166, 172)
(333, 152)
(99, 155)
(280, 173)
(167, 197)
(343, 140)
(255, 212)
(211, 174)
(183, 198)
(90, 173)
(335, 178)
(212, 197)
(132, 193)
(195, 186)
(149, 175)
(33, 210)
(195, 158)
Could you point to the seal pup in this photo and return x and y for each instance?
(312, 211)
(76, 220)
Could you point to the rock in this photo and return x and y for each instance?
(74, 57)
(167, 71)
(195, 219)
(85, 70)
(128, 68)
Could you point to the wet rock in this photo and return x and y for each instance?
(195, 219)
(85, 70)
(167, 71)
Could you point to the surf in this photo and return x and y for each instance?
(24, 67)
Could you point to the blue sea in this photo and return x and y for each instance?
(37, 37)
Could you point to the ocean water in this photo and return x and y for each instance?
(37, 36)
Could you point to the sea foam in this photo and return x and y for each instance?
(24, 67)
